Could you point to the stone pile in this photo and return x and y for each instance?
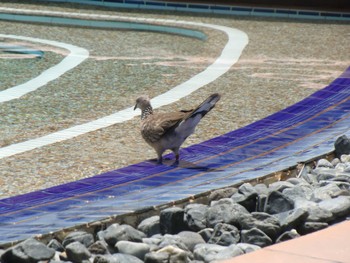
(237, 221)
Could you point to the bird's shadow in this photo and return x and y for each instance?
(184, 164)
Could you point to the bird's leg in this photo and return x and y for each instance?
(160, 159)
(177, 155)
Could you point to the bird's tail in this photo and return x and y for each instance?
(188, 125)
(205, 106)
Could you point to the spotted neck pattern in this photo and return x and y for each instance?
(146, 112)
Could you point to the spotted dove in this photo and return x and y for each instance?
(168, 131)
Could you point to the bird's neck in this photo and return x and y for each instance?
(146, 112)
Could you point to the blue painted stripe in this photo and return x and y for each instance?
(219, 7)
(288, 12)
(198, 6)
(177, 5)
(242, 9)
(327, 14)
(106, 24)
(214, 8)
(21, 50)
(308, 13)
(263, 10)
(133, 2)
(155, 3)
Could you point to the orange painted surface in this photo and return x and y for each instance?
(325, 246)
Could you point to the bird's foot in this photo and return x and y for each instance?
(160, 161)
(175, 163)
(155, 160)
(177, 158)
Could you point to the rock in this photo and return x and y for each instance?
(29, 251)
(247, 189)
(280, 186)
(320, 194)
(277, 202)
(206, 233)
(150, 226)
(262, 192)
(195, 216)
(343, 185)
(324, 163)
(347, 168)
(256, 237)
(310, 178)
(335, 162)
(228, 253)
(318, 214)
(153, 242)
(303, 203)
(223, 201)
(298, 181)
(261, 189)
(84, 238)
(172, 220)
(98, 248)
(225, 211)
(293, 218)
(263, 221)
(157, 257)
(339, 206)
(117, 258)
(237, 197)
(191, 239)
(174, 255)
(340, 167)
(248, 201)
(54, 244)
(335, 188)
(324, 174)
(77, 252)
(59, 261)
(207, 252)
(62, 256)
(310, 227)
(135, 249)
(222, 193)
(261, 203)
(344, 158)
(224, 235)
(247, 248)
(342, 178)
(298, 192)
(172, 240)
(288, 235)
(116, 232)
(342, 145)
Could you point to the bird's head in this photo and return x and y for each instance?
(142, 103)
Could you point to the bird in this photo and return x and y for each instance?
(168, 131)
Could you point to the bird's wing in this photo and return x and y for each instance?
(155, 126)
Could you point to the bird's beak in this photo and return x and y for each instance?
(135, 106)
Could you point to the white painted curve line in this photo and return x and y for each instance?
(74, 58)
(237, 40)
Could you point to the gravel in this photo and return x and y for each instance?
(284, 62)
